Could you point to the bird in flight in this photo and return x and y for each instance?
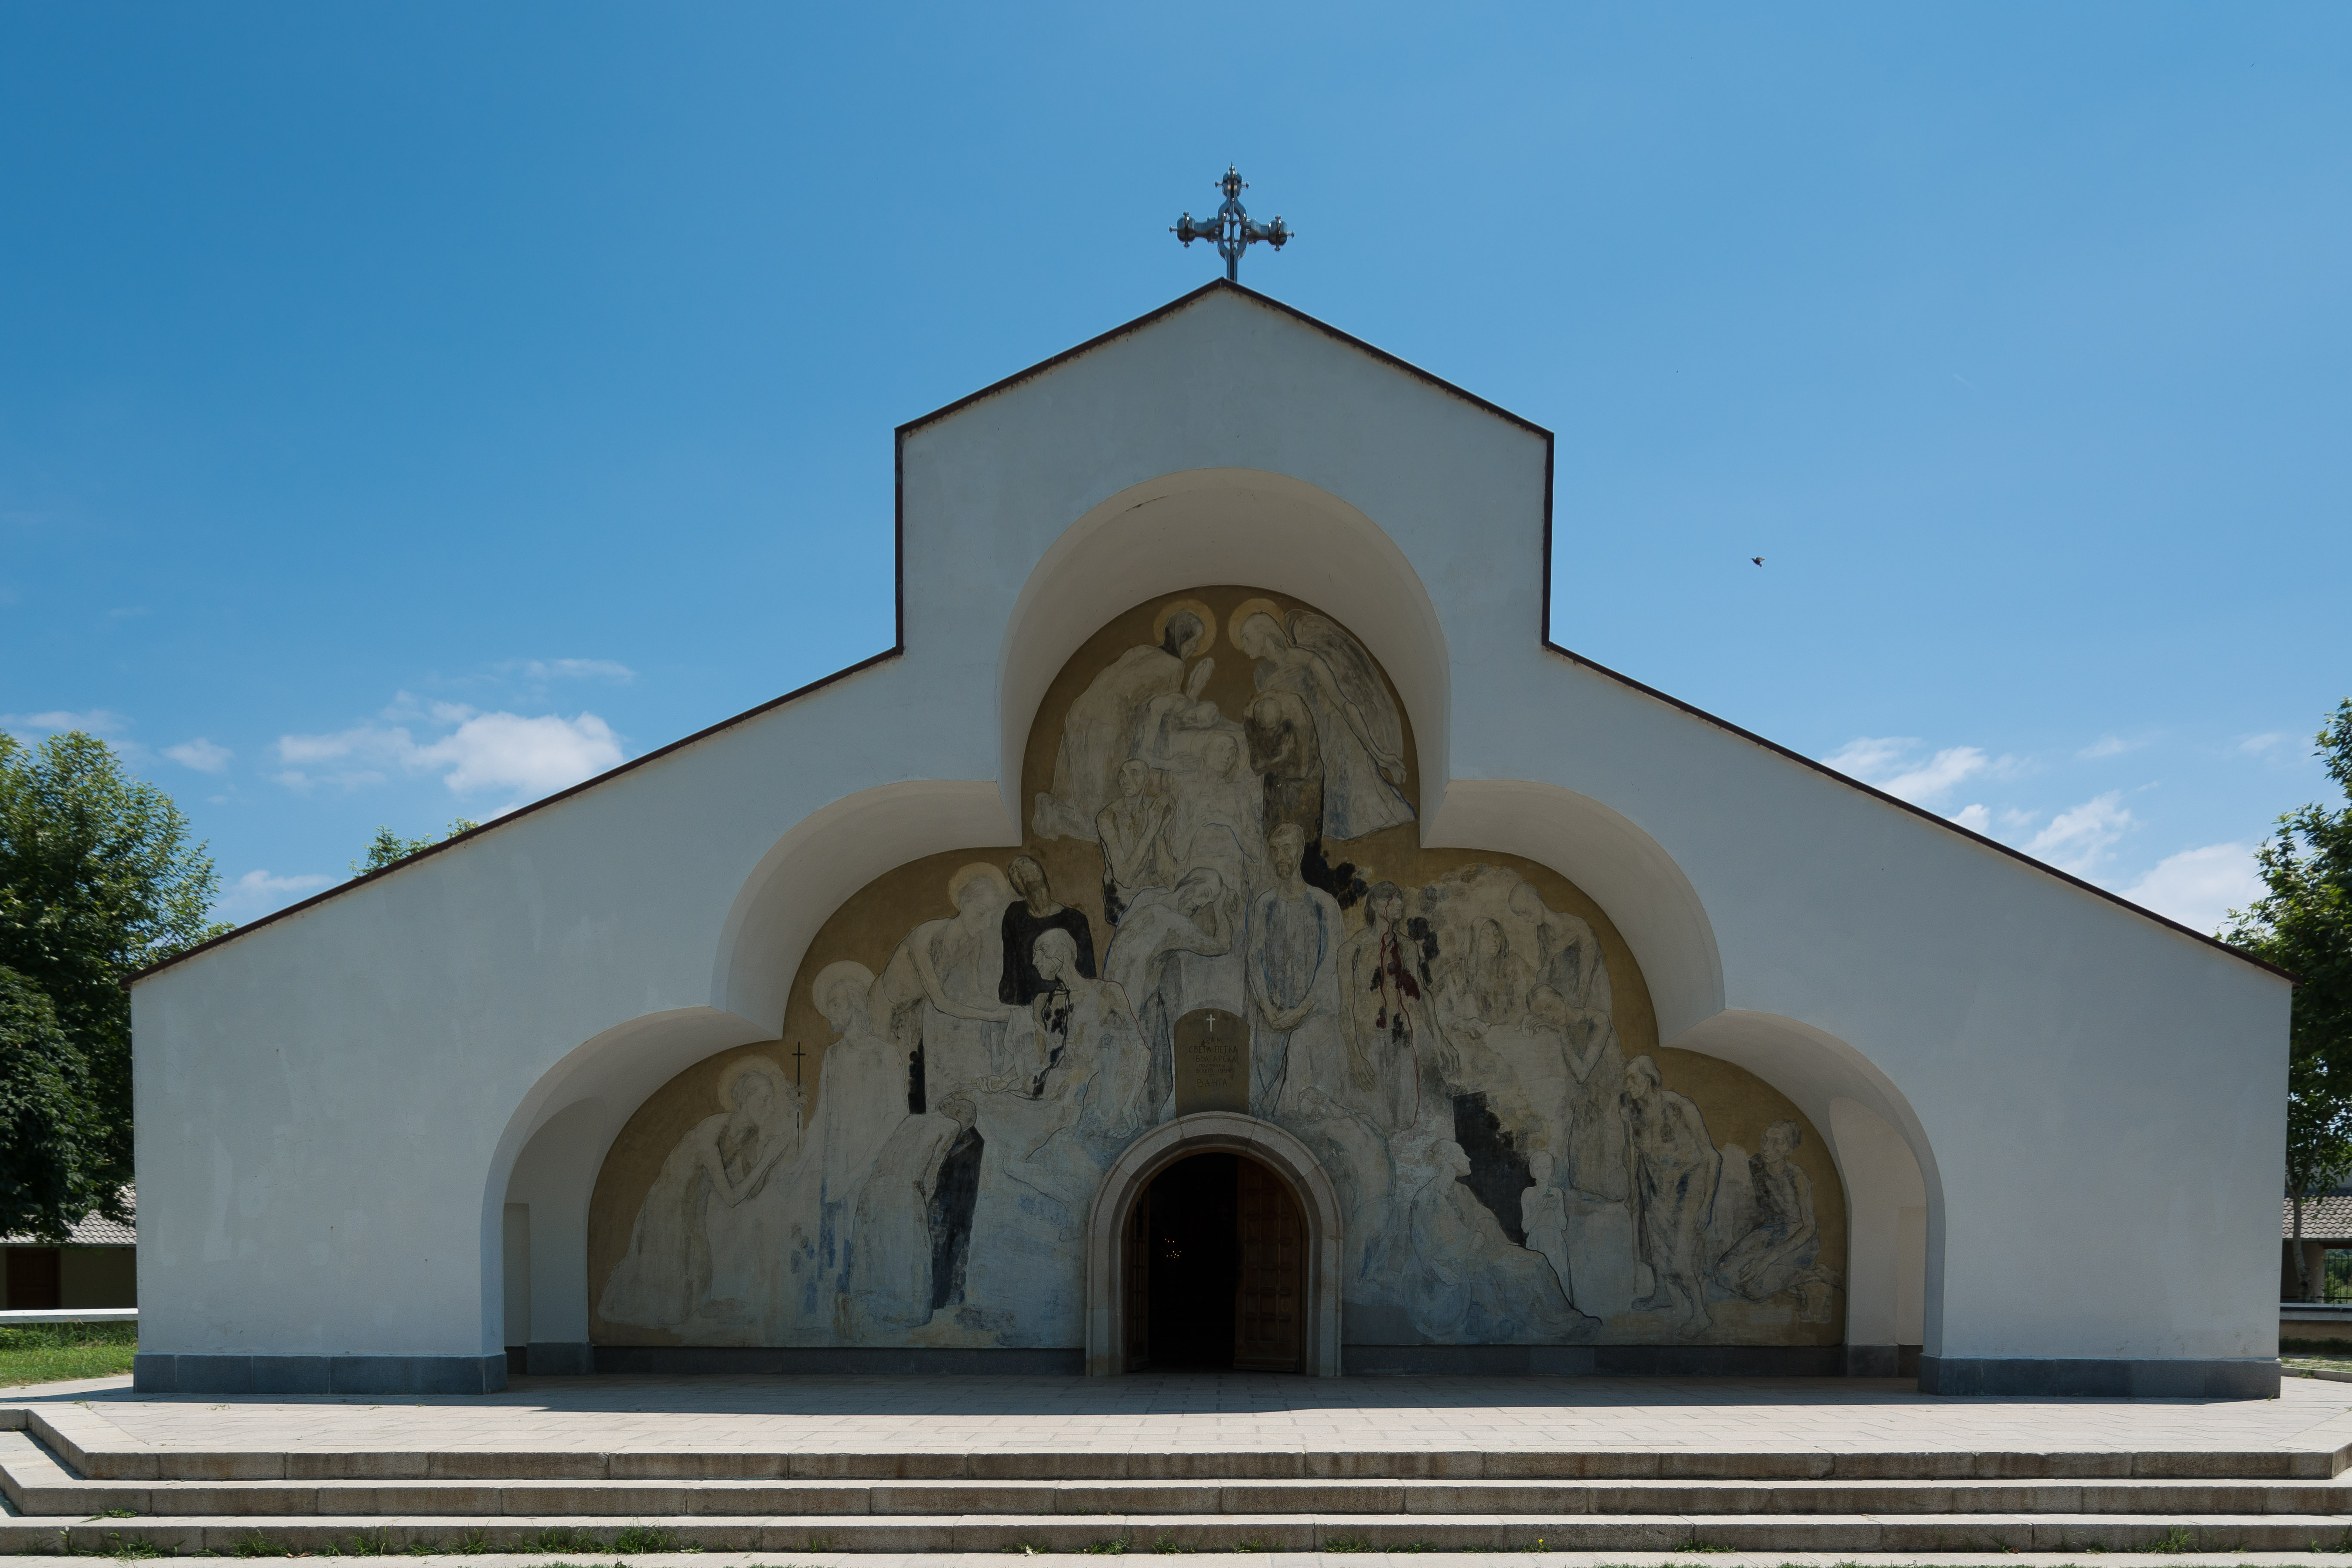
(1758, 559)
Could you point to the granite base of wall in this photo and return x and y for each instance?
(679, 1360)
(1594, 1360)
(1883, 1361)
(560, 1358)
(1873, 1361)
(158, 1372)
(2102, 1377)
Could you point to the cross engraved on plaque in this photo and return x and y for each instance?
(1213, 1061)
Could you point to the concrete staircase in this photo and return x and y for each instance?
(247, 1502)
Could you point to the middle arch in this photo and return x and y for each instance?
(1210, 1132)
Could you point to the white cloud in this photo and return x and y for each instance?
(258, 892)
(2107, 746)
(1867, 759)
(2078, 838)
(1892, 763)
(1975, 818)
(2199, 887)
(301, 782)
(97, 722)
(575, 670)
(370, 741)
(200, 755)
(529, 756)
(2256, 745)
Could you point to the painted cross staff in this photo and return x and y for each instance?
(797, 1055)
(1232, 228)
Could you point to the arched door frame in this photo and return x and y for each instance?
(1207, 1133)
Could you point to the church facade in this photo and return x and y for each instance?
(1227, 930)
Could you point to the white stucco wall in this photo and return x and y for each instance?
(330, 1109)
(1886, 1275)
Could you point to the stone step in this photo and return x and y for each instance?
(36, 1485)
(96, 1448)
(368, 1535)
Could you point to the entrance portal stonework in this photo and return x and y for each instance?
(1111, 1271)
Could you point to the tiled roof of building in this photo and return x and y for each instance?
(2327, 1219)
(94, 1229)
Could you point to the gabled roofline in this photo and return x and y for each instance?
(1898, 802)
(899, 596)
(1221, 286)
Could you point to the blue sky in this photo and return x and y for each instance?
(407, 411)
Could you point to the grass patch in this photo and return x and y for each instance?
(53, 1353)
(128, 1548)
(1115, 1547)
(366, 1544)
(253, 1543)
(1348, 1543)
(2174, 1541)
(2316, 1355)
(638, 1540)
(1168, 1545)
(570, 1539)
(1251, 1546)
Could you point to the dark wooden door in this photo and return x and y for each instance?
(1137, 1266)
(1268, 1330)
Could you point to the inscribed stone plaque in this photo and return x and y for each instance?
(1213, 1061)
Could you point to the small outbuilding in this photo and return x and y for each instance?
(96, 1266)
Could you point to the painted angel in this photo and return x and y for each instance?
(1357, 727)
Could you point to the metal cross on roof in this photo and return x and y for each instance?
(1232, 228)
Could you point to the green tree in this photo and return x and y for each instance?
(98, 880)
(387, 846)
(2303, 923)
(51, 1149)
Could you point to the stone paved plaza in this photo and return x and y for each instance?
(1207, 1412)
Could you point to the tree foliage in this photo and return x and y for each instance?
(387, 846)
(98, 880)
(50, 1151)
(2303, 923)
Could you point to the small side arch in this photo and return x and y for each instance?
(1205, 1132)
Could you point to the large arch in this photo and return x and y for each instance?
(1205, 1132)
(1168, 534)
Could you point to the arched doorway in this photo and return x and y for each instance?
(1216, 1268)
(1267, 1267)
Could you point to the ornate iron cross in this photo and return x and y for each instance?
(1232, 228)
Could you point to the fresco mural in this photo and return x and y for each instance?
(1222, 826)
